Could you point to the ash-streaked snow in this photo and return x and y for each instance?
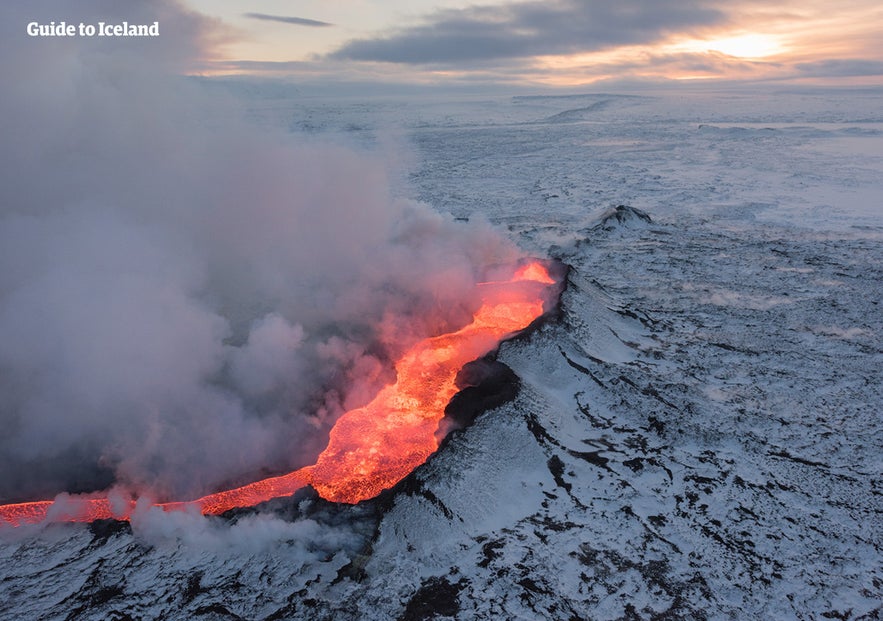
(697, 435)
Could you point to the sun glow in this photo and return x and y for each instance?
(677, 59)
(741, 46)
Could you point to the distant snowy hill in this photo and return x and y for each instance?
(696, 435)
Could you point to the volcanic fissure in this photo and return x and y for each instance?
(370, 448)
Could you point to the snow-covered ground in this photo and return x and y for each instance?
(697, 435)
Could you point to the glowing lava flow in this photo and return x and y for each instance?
(371, 448)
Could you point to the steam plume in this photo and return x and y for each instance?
(185, 300)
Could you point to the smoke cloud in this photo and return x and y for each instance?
(186, 301)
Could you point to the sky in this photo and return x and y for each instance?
(556, 43)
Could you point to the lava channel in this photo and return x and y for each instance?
(371, 448)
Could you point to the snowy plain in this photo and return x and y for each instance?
(697, 434)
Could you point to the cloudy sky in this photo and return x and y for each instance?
(552, 42)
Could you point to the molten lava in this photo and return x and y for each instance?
(371, 448)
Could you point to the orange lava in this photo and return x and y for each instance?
(371, 448)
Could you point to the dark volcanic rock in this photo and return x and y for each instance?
(436, 597)
(485, 383)
(622, 216)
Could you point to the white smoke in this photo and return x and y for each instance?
(184, 299)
